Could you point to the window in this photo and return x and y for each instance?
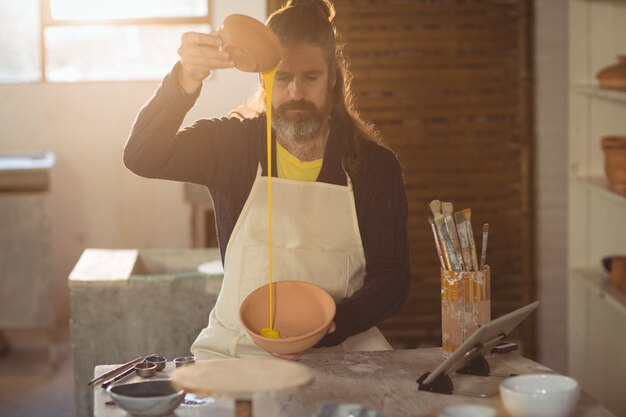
(20, 59)
(94, 40)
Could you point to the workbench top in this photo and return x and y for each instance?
(384, 381)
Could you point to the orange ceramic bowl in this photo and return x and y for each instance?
(303, 313)
(252, 45)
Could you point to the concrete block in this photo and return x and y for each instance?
(26, 299)
(130, 303)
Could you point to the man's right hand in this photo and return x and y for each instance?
(200, 53)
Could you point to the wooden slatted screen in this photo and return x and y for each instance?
(447, 82)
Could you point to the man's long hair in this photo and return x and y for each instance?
(311, 22)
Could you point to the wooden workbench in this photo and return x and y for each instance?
(384, 381)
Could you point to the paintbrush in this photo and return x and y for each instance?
(470, 237)
(447, 209)
(444, 264)
(455, 262)
(483, 250)
(435, 207)
(445, 241)
(447, 247)
(461, 228)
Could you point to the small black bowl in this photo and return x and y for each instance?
(158, 360)
(185, 360)
(145, 369)
(152, 398)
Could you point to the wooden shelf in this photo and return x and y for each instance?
(600, 187)
(597, 226)
(601, 93)
(599, 281)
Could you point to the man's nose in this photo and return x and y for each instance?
(295, 89)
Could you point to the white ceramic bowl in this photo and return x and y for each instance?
(540, 395)
(330, 409)
(468, 410)
(151, 398)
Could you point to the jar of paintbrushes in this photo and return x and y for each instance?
(465, 282)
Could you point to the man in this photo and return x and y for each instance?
(339, 203)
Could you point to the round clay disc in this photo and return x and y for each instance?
(237, 378)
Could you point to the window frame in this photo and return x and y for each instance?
(46, 20)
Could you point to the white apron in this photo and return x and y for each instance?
(315, 237)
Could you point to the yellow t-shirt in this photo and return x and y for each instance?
(290, 167)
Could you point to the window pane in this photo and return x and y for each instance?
(124, 9)
(19, 41)
(96, 53)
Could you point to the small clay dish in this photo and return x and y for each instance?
(184, 360)
(145, 369)
(252, 45)
(158, 360)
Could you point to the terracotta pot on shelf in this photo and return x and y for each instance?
(614, 148)
(618, 272)
(614, 76)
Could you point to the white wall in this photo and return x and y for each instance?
(95, 201)
(551, 92)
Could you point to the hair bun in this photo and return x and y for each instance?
(325, 7)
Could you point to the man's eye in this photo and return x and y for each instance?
(283, 77)
(311, 77)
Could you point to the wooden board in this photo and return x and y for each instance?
(240, 378)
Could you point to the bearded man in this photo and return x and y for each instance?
(339, 202)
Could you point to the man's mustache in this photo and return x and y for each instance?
(297, 105)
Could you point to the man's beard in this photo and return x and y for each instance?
(299, 120)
